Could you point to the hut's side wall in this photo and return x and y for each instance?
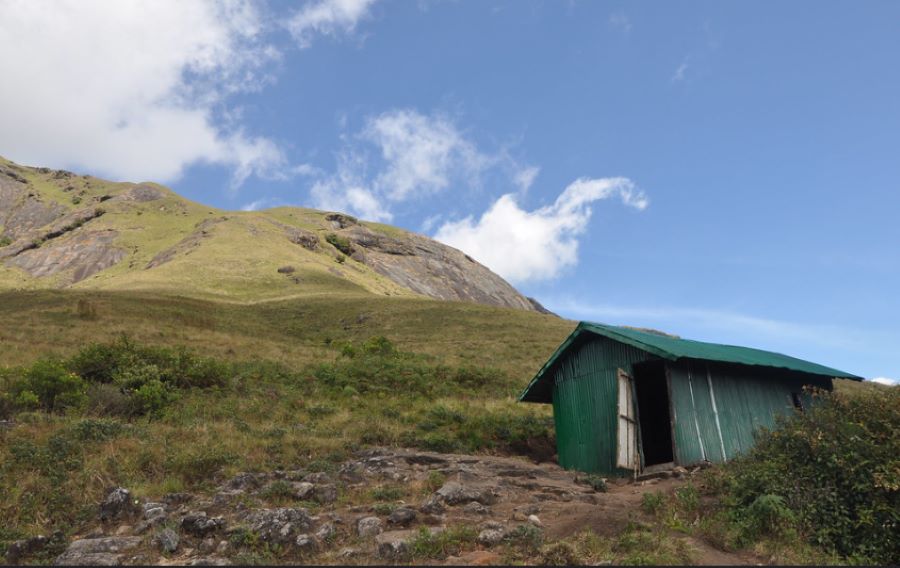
(745, 398)
(584, 403)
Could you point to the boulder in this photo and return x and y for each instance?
(167, 540)
(368, 526)
(279, 525)
(196, 523)
(118, 504)
(454, 493)
(97, 551)
(306, 543)
(393, 545)
(401, 516)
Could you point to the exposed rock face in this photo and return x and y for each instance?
(22, 210)
(188, 244)
(432, 269)
(85, 254)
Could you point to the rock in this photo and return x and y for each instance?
(368, 526)
(198, 524)
(306, 543)
(433, 506)
(491, 537)
(476, 508)
(287, 270)
(535, 520)
(401, 516)
(679, 471)
(167, 540)
(340, 221)
(173, 499)
(318, 478)
(279, 525)
(244, 481)
(302, 490)
(393, 545)
(454, 493)
(326, 532)
(97, 551)
(26, 547)
(325, 494)
(118, 504)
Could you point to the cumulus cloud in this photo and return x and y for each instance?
(421, 153)
(416, 155)
(348, 190)
(129, 88)
(525, 245)
(327, 17)
(525, 176)
(886, 381)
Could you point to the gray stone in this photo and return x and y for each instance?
(302, 490)
(491, 537)
(393, 545)
(326, 532)
(368, 527)
(207, 545)
(349, 552)
(279, 525)
(97, 551)
(534, 520)
(306, 543)
(244, 481)
(454, 493)
(26, 547)
(318, 478)
(198, 524)
(325, 494)
(401, 516)
(433, 506)
(476, 508)
(167, 540)
(118, 504)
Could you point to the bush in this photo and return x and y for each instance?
(341, 243)
(831, 473)
(48, 385)
(5, 241)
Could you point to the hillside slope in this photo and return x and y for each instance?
(62, 230)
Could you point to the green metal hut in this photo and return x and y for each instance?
(626, 400)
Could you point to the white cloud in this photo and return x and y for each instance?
(886, 381)
(129, 88)
(525, 176)
(421, 153)
(347, 190)
(619, 19)
(681, 71)
(327, 17)
(525, 245)
(417, 155)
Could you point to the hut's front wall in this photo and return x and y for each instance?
(584, 403)
(746, 398)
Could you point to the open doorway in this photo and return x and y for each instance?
(652, 391)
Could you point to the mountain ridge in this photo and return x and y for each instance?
(59, 229)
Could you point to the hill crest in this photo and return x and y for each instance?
(59, 229)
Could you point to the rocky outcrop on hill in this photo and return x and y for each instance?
(428, 267)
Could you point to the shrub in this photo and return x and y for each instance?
(341, 243)
(97, 430)
(48, 385)
(5, 241)
(830, 472)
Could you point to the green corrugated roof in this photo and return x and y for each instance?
(674, 348)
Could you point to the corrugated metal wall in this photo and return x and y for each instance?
(745, 398)
(584, 403)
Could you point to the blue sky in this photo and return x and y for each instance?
(724, 171)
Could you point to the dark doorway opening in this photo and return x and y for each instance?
(653, 412)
